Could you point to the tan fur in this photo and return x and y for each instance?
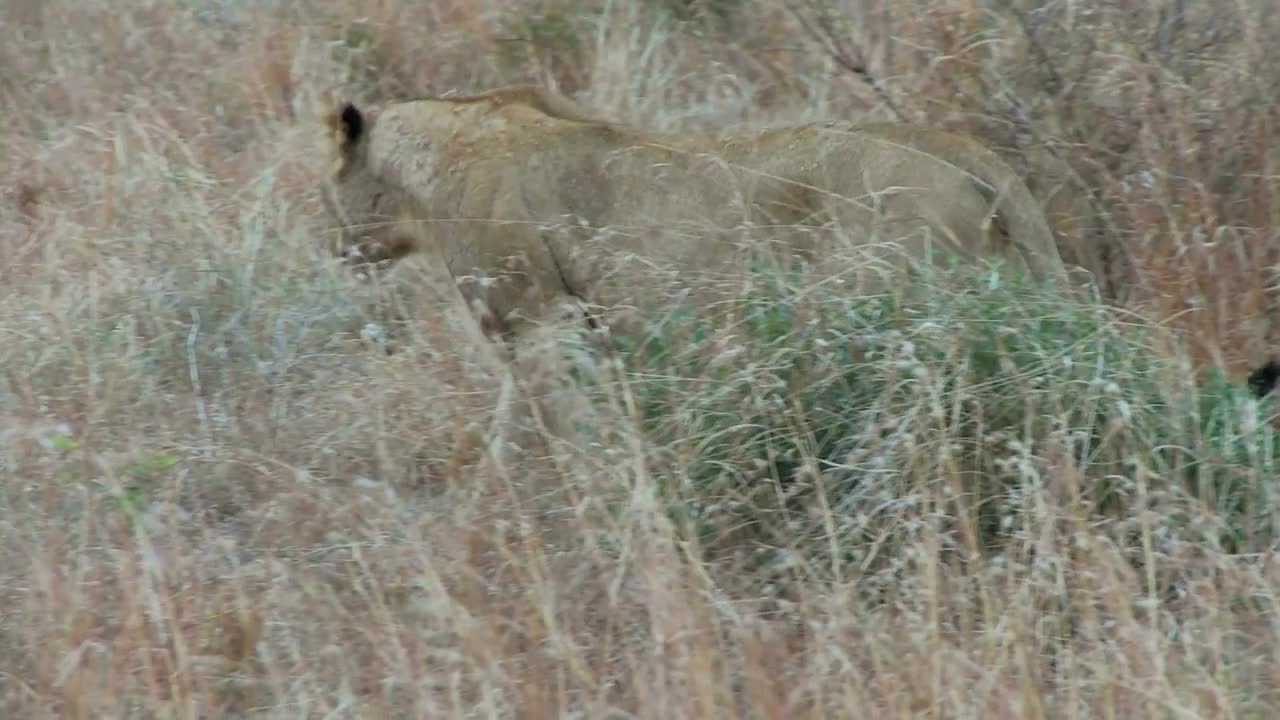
(591, 205)
(520, 186)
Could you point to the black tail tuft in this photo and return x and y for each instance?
(1263, 380)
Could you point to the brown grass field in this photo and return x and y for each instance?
(220, 498)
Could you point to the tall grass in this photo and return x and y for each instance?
(221, 497)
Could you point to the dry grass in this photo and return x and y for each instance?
(219, 499)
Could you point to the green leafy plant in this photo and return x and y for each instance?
(974, 394)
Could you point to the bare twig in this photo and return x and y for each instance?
(819, 23)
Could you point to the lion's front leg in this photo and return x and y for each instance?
(533, 403)
(516, 292)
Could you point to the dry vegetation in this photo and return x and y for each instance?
(220, 498)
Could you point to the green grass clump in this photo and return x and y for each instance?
(968, 398)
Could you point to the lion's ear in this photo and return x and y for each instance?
(351, 122)
(346, 124)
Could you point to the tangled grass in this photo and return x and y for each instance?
(221, 497)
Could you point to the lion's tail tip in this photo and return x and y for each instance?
(1264, 378)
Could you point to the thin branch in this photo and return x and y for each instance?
(820, 25)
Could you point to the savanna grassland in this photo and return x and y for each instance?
(221, 496)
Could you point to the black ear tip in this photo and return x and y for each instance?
(352, 122)
(1263, 380)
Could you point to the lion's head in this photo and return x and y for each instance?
(382, 166)
(367, 212)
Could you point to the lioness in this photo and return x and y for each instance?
(483, 182)
(526, 201)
